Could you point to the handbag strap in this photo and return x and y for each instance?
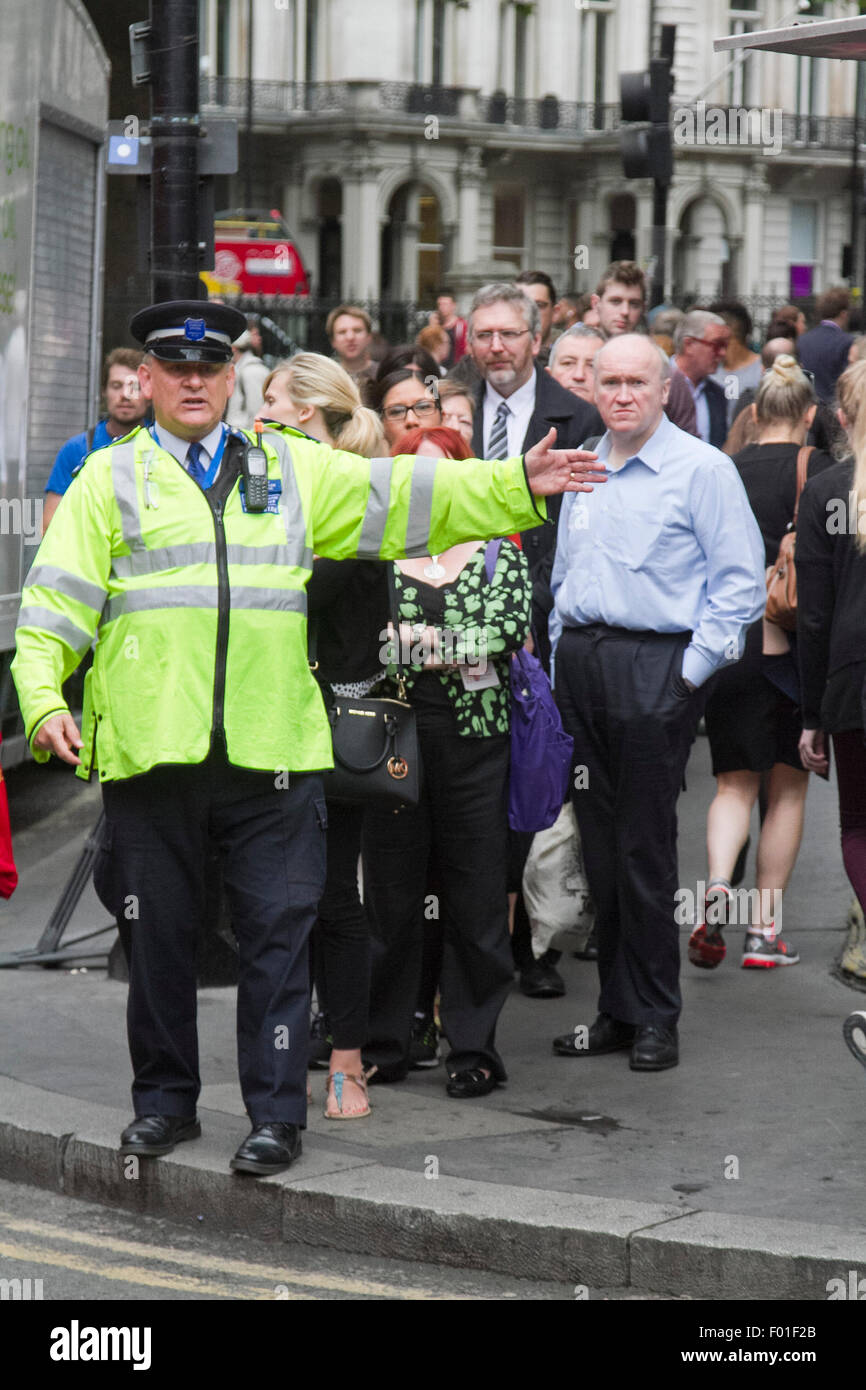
(491, 555)
(803, 456)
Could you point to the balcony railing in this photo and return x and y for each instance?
(296, 99)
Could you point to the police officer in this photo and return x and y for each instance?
(185, 549)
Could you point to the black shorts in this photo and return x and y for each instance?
(751, 724)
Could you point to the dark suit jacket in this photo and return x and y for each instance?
(574, 421)
(823, 351)
(718, 404)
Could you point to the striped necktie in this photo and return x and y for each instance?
(194, 466)
(497, 445)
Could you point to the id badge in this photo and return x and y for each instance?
(275, 489)
(479, 677)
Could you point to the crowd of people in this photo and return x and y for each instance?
(642, 592)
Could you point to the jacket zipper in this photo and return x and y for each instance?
(219, 689)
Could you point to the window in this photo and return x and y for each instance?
(430, 21)
(521, 37)
(743, 18)
(803, 248)
(509, 217)
(595, 46)
(311, 41)
(429, 248)
(223, 37)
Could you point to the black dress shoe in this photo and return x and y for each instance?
(605, 1035)
(655, 1049)
(268, 1149)
(463, 1085)
(542, 980)
(152, 1135)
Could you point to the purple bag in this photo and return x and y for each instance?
(541, 750)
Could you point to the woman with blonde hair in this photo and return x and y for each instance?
(315, 394)
(347, 602)
(753, 715)
(831, 623)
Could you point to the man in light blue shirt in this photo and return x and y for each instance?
(656, 578)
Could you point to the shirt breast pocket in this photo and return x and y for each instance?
(640, 538)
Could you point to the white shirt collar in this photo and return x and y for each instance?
(178, 448)
(519, 400)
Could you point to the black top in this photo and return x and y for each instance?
(347, 602)
(831, 603)
(769, 474)
(823, 351)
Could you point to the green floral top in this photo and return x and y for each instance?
(480, 623)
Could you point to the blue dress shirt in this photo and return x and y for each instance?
(668, 544)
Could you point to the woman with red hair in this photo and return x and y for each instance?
(460, 615)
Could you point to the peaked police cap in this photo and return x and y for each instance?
(188, 330)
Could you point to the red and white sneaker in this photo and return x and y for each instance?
(706, 943)
(765, 950)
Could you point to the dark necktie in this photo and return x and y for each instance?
(497, 447)
(194, 466)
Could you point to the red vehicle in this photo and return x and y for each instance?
(254, 254)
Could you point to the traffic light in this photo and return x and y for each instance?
(647, 152)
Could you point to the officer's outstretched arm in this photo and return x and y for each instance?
(60, 607)
(384, 508)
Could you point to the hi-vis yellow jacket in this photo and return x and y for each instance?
(199, 609)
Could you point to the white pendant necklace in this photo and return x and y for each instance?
(434, 570)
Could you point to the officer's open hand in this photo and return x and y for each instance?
(60, 735)
(561, 470)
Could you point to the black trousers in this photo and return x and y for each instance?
(342, 936)
(461, 819)
(632, 732)
(150, 872)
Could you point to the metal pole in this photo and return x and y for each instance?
(659, 242)
(175, 134)
(248, 172)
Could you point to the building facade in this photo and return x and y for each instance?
(408, 142)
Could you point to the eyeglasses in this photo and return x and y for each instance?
(505, 335)
(419, 408)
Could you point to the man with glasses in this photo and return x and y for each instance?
(517, 403)
(656, 579)
(700, 344)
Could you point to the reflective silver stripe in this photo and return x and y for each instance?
(376, 515)
(163, 558)
(274, 600)
(205, 596)
(167, 596)
(291, 509)
(261, 555)
(125, 493)
(72, 585)
(420, 506)
(49, 621)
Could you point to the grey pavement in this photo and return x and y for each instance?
(738, 1174)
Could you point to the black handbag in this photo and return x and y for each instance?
(375, 741)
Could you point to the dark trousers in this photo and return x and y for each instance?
(461, 819)
(151, 873)
(632, 731)
(850, 753)
(342, 937)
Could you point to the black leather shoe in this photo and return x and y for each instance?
(655, 1049)
(152, 1135)
(605, 1035)
(268, 1149)
(464, 1085)
(542, 981)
